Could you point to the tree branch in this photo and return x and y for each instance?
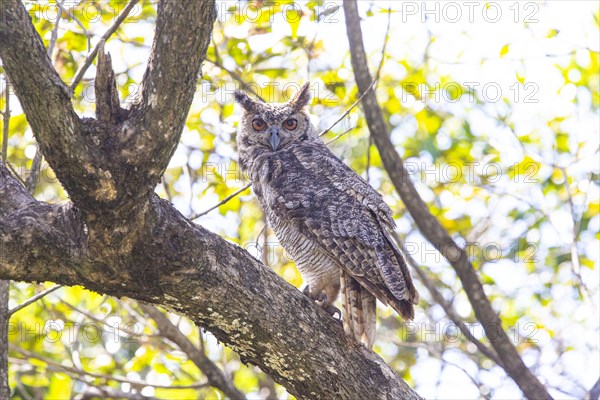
(220, 203)
(182, 36)
(185, 268)
(446, 306)
(31, 72)
(76, 372)
(594, 393)
(46, 102)
(100, 45)
(33, 299)
(213, 374)
(428, 224)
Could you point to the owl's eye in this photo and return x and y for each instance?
(259, 125)
(290, 124)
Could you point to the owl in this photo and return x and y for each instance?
(331, 222)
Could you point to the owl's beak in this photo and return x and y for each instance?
(274, 140)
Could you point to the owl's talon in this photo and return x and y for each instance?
(306, 291)
(321, 299)
(333, 310)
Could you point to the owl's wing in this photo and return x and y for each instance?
(329, 202)
(318, 158)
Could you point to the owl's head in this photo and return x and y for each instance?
(274, 126)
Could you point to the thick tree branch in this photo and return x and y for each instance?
(428, 224)
(182, 36)
(46, 102)
(185, 268)
(594, 393)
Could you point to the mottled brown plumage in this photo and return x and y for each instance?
(331, 221)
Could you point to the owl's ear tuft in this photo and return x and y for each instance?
(302, 98)
(245, 101)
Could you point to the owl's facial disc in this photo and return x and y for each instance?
(275, 126)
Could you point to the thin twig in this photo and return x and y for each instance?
(237, 78)
(432, 350)
(100, 392)
(377, 78)
(123, 331)
(349, 109)
(385, 42)
(4, 318)
(225, 200)
(575, 263)
(73, 17)
(79, 372)
(55, 31)
(15, 174)
(33, 299)
(264, 232)
(340, 135)
(90, 58)
(33, 177)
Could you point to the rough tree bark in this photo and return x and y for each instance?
(117, 237)
(428, 225)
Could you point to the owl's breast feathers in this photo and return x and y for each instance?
(309, 187)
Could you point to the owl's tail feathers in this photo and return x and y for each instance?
(359, 311)
(405, 308)
(404, 305)
(402, 294)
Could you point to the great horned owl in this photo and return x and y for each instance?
(328, 219)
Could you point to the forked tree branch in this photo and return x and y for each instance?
(428, 224)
